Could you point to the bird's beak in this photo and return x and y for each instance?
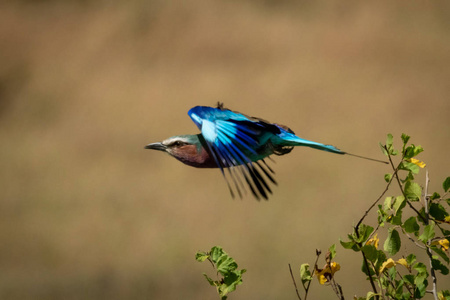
(156, 146)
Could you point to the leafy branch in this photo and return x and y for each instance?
(405, 277)
(225, 266)
(325, 275)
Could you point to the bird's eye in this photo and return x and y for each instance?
(177, 144)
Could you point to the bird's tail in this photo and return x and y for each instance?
(293, 140)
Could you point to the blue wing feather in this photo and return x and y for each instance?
(227, 134)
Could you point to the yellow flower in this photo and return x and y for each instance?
(447, 219)
(417, 162)
(402, 262)
(444, 244)
(373, 241)
(326, 274)
(387, 264)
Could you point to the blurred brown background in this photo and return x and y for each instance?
(87, 213)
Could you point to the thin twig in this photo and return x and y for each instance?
(444, 196)
(376, 201)
(390, 282)
(406, 285)
(337, 289)
(295, 284)
(426, 199)
(401, 189)
(366, 262)
(340, 291)
(372, 283)
(318, 252)
(374, 232)
(413, 240)
(376, 272)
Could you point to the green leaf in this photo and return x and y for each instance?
(411, 225)
(421, 289)
(420, 268)
(423, 214)
(412, 151)
(332, 251)
(389, 139)
(405, 138)
(410, 259)
(372, 295)
(437, 265)
(387, 203)
(409, 278)
(226, 264)
(382, 215)
(364, 232)
(393, 242)
(397, 219)
(409, 177)
(412, 191)
(389, 146)
(428, 233)
(201, 256)
(305, 274)
(435, 196)
(369, 272)
(215, 253)
(399, 204)
(387, 177)
(230, 282)
(420, 280)
(445, 232)
(383, 150)
(370, 252)
(211, 282)
(381, 258)
(399, 289)
(392, 272)
(441, 253)
(446, 184)
(409, 167)
(437, 211)
(350, 245)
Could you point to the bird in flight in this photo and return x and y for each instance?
(238, 143)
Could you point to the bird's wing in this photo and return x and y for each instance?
(229, 136)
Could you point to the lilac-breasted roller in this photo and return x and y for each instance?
(236, 142)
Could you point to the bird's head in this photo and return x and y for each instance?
(186, 148)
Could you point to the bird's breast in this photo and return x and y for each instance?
(194, 156)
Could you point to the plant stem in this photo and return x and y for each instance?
(406, 285)
(372, 283)
(376, 201)
(402, 190)
(318, 252)
(426, 199)
(295, 284)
